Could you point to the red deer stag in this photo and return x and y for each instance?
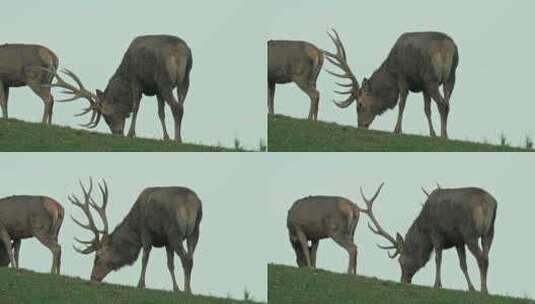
(21, 65)
(294, 61)
(152, 65)
(160, 217)
(318, 217)
(418, 62)
(23, 217)
(449, 218)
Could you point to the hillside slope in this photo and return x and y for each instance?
(291, 134)
(292, 285)
(24, 287)
(17, 136)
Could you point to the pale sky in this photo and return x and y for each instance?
(508, 177)
(227, 89)
(229, 257)
(494, 79)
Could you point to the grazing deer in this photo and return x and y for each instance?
(152, 65)
(21, 65)
(160, 217)
(418, 62)
(294, 61)
(318, 217)
(23, 217)
(449, 218)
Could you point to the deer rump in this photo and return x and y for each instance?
(455, 215)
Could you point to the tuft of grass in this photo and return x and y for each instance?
(26, 287)
(503, 140)
(294, 286)
(299, 135)
(262, 147)
(19, 136)
(529, 143)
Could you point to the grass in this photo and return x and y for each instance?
(292, 285)
(25, 287)
(19, 136)
(299, 135)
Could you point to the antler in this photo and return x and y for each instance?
(86, 208)
(378, 229)
(77, 93)
(340, 60)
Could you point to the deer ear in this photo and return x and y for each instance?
(399, 240)
(100, 94)
(366, 85)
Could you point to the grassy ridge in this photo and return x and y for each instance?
(18, 136)
(292, 285)
(24, 287)
(290, 134)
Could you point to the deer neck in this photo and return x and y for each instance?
(126, 243)
(119, 93)
(385, 89)
(418, 243)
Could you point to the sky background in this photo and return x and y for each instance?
(229, 257)
(508, 177)
(492, 94)
(227, 89)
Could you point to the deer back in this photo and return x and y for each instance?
(20, 63)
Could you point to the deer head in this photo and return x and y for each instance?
(99, 104)
(101, 243)
(364, 96)
(408, 261)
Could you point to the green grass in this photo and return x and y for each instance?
(293, 286)
(299, 135)
(25, 287)
(19, 136)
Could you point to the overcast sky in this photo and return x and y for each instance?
(229, 257)
(508, 177)
(494, 79)
(227, 90)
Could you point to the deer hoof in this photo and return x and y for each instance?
(141, 285)
(131, 134)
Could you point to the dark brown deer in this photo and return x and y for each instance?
(23, 217)
(21, 65)
(160, 217)
(449, 218)
(299, 62)
(318, 217)
(418, 62)
(152, 65)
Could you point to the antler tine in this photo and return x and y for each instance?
(376, 228)
(438, 186)
(101, 210)
(425, 191)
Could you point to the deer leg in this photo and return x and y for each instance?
(299, 257)
(438, 261)
(402, 100)
(271, 97)
(427, 109)
(178, 112)
(161, 115)
(313, 252)
(171, 266)
(135, 109)
(314, 96)
(48, 100)
(16, 251)
(448, 88)
(443, 109)
(144, 262)
(187, 264)
(6, 240)
(301, 237)
(482, 262)
(54, 247)
(351, 249)
(461, 252)
(4, 95)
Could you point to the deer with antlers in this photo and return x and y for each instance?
(418, 62)
(21, 65)
(318, 217)
(449, 218)
(24, 216)
(160, 217)
(299, 62)
(152, 65)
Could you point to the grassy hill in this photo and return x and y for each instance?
(290, 134)
(24, 287)
(17, 136)
(292, 285)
